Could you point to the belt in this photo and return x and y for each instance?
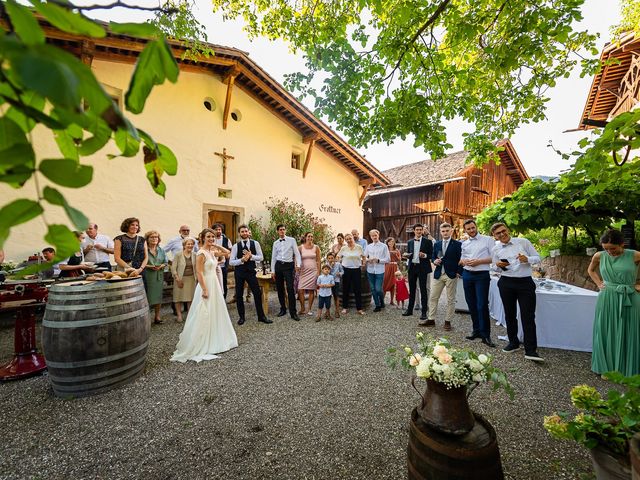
(282, 261)
(626, 291)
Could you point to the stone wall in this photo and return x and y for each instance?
(571, 269)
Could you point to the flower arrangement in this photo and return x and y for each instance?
(437, 360)
(607, 422)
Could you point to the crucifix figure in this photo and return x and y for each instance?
(224, 157)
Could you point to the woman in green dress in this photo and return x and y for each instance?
(616, 330)
(154, 273)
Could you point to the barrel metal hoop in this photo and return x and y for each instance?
(68, 295)
(97, 361)
(92, 306)
(95, 376)
(104, 383)
(95, 321)
(92, 287)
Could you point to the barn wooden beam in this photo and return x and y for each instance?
(367, 182)
(229, 78)
(308, 159)
(87, 50)
(365, 189)
(312, 137)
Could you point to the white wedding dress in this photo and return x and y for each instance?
(207, 329)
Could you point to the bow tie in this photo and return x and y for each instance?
(281, 240)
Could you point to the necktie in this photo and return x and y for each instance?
(245, 245)
(445, 244)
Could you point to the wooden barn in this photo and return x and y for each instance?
(445, 190)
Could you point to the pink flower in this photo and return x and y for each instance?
(415, 359)
(445, 358)
(439, 350)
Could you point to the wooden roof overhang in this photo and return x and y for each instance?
(607, 97)
(510, 159)
(247, 75)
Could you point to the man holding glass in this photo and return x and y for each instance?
(446, 258)
(514, 256)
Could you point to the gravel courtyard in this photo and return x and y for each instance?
(294, 401)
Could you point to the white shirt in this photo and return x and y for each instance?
(285, 250)
(351, 258)
(478, 247)
(416, 250)
(234, 262)
(95, 255)
(380, 251)
(175, 245)
(510, 251)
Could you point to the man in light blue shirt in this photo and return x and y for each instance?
(377, 256)
(285, 259)
(356, 238)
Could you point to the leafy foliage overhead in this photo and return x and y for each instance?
(41, 84)
(392, 68)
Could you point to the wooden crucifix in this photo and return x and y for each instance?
(224, 157)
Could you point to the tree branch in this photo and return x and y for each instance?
(117, 3)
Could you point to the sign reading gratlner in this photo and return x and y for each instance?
(329, 209)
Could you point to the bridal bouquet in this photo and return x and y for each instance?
(437, 360)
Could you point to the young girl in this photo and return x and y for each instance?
(402, 293)
(336, 272)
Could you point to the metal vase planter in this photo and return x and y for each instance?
(609, 466)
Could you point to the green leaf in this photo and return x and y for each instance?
(154, 175)
(167, 160)
(17, 158)
(66, 145)
(155, 65)
(63, 240)
(28, 111)
(142, 30)
(66, 172)
(19, 211)
(54, 197)
(127, 143)
(69, 21)
(24, 23)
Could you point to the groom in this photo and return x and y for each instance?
(243, 257)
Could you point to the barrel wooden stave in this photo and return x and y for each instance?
(433, 455)
(365, 291)
(95, 336)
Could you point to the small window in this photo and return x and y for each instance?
(296, 161)
(476, 179)
(224, 193)
(236, 116)
(209, 103)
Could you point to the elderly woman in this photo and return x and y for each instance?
(351, 256)
(309, 271)
(338, 246)
(154, 273)
(74, 266)
(130, 249)
(616, 329)
(184, 280)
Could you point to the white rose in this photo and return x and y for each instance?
(478, 377)
(482, 358)
(414, 360)
(475, 365)
(423, 370)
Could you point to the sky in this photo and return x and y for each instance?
(567, 98)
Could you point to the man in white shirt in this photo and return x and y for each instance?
(356, 238)
(475, 260)
(175, 244)
(377, 255)
(285, 260)
(97, 247)
(514, 256)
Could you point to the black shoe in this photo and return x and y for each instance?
(427, 323)
(282, 312)
(487, 341)
(473, 336)
(423, 316)
(240, 321)
(295, 317)
(533, 356)
(510, 348)
(377, 309)
(407, 313)
(382, 305)
(265, 320)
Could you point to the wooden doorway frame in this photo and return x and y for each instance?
(207, 207)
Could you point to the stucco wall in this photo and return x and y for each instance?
(174, 115)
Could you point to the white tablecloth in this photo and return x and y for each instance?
(564, 320)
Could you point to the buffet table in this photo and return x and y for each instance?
(564, 314)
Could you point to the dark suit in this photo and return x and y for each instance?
(225, 266)
(451, 268)
(419, 273)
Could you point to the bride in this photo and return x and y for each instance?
(208, 328)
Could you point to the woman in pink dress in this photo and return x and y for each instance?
(390, 269)
(309, 271)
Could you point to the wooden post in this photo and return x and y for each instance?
(311, 140)
(229, 79)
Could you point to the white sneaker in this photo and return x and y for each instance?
(534, 357)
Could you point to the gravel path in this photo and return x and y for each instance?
(295, 401)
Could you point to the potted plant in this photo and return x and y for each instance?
(605, 425)
(451, 375)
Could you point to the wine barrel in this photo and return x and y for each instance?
(433, 455)
(365, 291)
(95, 335)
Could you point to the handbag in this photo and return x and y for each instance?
(120, 268)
